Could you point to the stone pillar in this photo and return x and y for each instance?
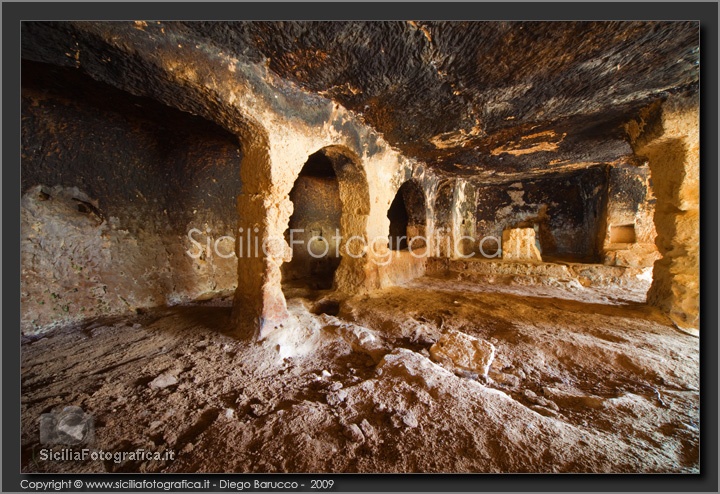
(351, 275)
(259, 303)
(455, 219)
(673, 154)
(464, 218)
(443, 233)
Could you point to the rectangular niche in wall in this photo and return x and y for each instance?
(622, 234)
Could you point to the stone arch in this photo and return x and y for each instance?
(313, 230)
(354, 198)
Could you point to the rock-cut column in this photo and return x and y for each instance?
(674, 159)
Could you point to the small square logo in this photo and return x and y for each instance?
(69, 426)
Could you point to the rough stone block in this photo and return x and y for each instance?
(463, 352)
(163, 381)
(519, 244)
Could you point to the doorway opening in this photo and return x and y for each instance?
(407, 218)
(314, 228)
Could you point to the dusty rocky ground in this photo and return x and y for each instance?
(584, 380)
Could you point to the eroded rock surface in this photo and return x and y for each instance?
(596, 386)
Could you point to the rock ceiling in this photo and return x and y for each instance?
(476, 98)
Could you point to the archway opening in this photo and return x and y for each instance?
(407, 215)
(313, 231)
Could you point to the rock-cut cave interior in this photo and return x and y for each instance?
(362, 246)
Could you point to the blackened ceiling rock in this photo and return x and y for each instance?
(476, 98)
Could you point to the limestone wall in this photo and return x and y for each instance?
(112, 185)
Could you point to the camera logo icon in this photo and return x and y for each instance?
(69, 426)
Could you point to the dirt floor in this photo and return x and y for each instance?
(583, 380)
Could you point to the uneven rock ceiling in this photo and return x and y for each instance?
(481, 99)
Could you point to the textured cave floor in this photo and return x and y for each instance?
(584, 380)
